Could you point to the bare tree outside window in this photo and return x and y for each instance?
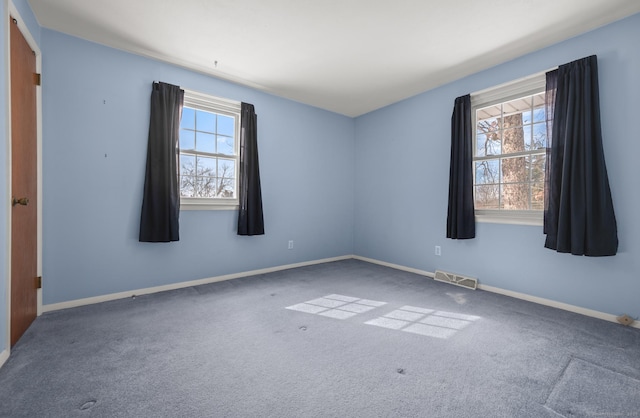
(206, 181)
(510, 155)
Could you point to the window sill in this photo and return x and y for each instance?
(205, 204)
(529, 217)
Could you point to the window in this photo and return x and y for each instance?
(509, 152)
(209, 136)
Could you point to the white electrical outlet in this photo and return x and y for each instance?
(290, 244)
(438, 250)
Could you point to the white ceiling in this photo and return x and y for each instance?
(347, 56)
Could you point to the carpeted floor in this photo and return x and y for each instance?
(344, 339)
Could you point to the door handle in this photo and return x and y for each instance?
(22, 201)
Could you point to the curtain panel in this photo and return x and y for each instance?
(250, 218)
(161, 198)
(461, 212)
(579, 216)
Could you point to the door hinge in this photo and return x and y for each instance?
(37, 79)
(39, 282)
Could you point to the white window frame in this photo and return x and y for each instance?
(527, 86)
(208, 103)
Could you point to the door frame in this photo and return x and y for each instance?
(12, 11)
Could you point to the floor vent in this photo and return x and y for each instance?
(456, 279)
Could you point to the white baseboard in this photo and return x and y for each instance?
(395, 266)
(555, 304)
(4, 356)
(123, 295)
(523, 296)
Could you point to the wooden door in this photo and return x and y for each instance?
(24, 184)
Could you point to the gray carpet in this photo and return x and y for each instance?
(344, 339)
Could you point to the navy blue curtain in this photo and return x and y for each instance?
(461, 212)
(579, 215)
(250, 219)
(161, 199)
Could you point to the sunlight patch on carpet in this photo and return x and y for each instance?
(337, 306)
(423, 321)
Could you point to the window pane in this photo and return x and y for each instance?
(513, 140)
(514, 170)
(206, 186)
(187, 165)
(488, 125)
(517, 112)
(539, 135)
(206, 166)
(490, 112)
(538, 108)
(481, 143)
(188, 120)
(225, 145)
(226, 187)
(487, 196)
(487, 172)
(537, 167)
(205, 121)
(494, 145)
(515, 196)
(187, 186)
(205, 142)
(527, 137)
(187, 139)
(515, 190)
(537, 196)
(491, 143)
(489, 128)
(226, 125)
(226, 178)
(226, 168)
(488, 144)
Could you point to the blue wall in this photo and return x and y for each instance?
(95, 122)
(24, 9)
(401, 185)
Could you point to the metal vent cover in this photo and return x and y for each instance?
(456, 279)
